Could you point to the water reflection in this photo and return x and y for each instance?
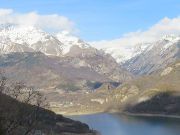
(109, 124)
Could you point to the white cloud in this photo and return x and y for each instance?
(165, 26)
(51, 22)
(4, 12)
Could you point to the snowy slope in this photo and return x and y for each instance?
(28, 39)
(123, 53)
(21, 35)
(34, 39)
(155, 56)
(120, 54)
(69, 41)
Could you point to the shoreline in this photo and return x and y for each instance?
(150, 115)
(123, 113)
(81, 113)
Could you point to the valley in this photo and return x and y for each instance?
(116, 99)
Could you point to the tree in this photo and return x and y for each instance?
(16, 117)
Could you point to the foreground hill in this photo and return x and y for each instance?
(46, 122)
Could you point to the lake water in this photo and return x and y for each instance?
(112, 124)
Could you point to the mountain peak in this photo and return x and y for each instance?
(38, 40)
(69, 40)
(24, 34)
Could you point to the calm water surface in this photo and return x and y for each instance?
(112, 124)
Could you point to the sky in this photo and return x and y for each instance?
(97, 21)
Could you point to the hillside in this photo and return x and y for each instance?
(46, 122)
(41, 71)
(157, 93)
(109, 98)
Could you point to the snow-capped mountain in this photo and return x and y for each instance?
(31, 38)
(69, 41)
(155, 56)
(141, 58)
(120, 54)
(21, 35)
(28, 51)
(144, 58)
(123, 52)
(28, 39)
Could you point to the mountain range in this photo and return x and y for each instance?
(31, 55)
(65, 61)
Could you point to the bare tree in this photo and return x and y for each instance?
(15, 113)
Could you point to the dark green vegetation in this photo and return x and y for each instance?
(166, 103)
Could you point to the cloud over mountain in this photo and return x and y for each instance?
(48, 22)
(166, 26)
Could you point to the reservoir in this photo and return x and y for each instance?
(113, 124)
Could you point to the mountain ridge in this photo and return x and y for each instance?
(123, 52)
(66, 59)
(156, 56)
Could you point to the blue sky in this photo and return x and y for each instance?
(102, 19)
